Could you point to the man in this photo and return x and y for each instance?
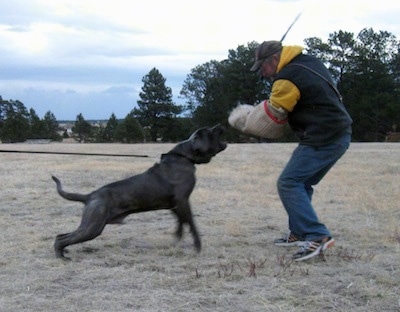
(303, 87)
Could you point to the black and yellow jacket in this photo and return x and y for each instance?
(315, 111)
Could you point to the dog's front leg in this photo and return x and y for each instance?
(184, 214)
(179, 229)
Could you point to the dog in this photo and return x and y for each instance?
(166, 185)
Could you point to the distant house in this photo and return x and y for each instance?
(68, 125)
(65, 126)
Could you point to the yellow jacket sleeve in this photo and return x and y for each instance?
(284, 94)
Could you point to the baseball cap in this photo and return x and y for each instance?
(265, 50)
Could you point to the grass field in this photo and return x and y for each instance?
(138, 267)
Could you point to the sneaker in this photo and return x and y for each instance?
(288, 240)
(313, 248)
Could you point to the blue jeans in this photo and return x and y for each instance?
(307, 166)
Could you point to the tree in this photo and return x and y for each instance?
(2, 109)
(179, 130)
(82, 129)
(342, 49)
(336, 54)
(202, 89)
(51, 127)
(37, 130)
(129, 130)
(213, 89)
(17, 124)
(369, 85)
(15, 127)
(107, 134)
(367, 77)
(156, 109)
(65, 134)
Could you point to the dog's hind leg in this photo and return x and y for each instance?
(94, 220)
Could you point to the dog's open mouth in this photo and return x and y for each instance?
(218, 131)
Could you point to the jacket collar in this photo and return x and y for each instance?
(287, 55)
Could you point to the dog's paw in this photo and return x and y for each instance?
(197, 245)
(60, 254)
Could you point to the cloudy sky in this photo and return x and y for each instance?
(89, 56)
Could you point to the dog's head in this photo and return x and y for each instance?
(202, 145)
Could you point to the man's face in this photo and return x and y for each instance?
(269, 66)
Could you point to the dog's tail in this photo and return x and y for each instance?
(70, 196)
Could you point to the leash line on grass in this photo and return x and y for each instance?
(73, 153)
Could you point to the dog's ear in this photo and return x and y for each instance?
(202, 145)
(219, 129)
(207, 139)
(199, 140)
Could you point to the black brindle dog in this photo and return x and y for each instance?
(166, 185)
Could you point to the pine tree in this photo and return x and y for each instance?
(82, 128)
(51, 126)
(156, 109)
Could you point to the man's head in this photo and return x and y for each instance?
(267, 57)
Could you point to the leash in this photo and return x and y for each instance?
(72, 153)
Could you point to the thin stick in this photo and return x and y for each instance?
(295, 20)
(71, 153)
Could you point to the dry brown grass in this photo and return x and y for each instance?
(137, 266)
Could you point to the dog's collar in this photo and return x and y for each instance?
(173, 153)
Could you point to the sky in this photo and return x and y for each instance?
(89, 56)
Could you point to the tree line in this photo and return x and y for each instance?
(366, 69)
(18, 124)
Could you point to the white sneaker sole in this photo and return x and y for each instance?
(298, 243)
(330, 243)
